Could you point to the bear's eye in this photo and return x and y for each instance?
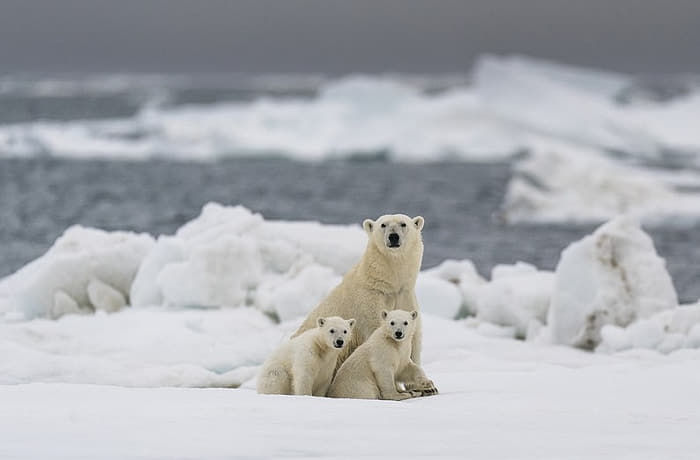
(332, 331)
(405, 323)
(392, 323)
(383, 225)
(345, 332)
(403, 224)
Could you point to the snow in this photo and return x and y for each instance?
(140, 348)
(512, 399)
(613, 276)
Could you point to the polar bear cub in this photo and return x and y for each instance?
(376, 367)
(305, 364)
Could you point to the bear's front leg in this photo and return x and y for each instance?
(386, 382)
(414, 379)
(302, 381)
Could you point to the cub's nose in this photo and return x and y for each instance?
(339, 343)
(398, 334)
(394, 238)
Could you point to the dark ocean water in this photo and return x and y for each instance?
(41, 197)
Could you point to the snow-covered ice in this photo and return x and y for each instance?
(666, 331)
(613, 276)
(79, 269)
(561, 181)
(499, 399)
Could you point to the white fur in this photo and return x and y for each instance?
(305, 364)
(376, 368)
(384, 279)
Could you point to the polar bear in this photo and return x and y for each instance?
(384, 279)
(305, 364)
(376, 368)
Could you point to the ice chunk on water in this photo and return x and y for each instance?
(613, 276)
(229, 257)
(59, 279)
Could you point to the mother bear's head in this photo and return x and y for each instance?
(394, 234)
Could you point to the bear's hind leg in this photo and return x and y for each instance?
(275, 382)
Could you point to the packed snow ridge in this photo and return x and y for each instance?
(103, 307)
(597, 144)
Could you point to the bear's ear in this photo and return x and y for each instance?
(418, 221)
(414, 314)
(384, 314)
(368, 225)
(351, 322)
(321, 321)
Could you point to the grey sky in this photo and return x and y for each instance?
(334, 36)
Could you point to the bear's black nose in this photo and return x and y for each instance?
(398, 334)
(394, 239)
(339, 343)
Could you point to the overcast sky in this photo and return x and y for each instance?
(338, 36)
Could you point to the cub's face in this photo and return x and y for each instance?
(335, 330)
(392, 232)
(399, 324)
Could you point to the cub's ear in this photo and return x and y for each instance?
(368, 225)
(351, 322)
(418, 221)
(321, 321)
(414, 314)
(384, 314)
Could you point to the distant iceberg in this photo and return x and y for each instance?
(606, 135)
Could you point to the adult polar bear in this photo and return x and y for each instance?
(384, 279)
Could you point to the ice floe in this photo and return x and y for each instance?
(204, 306)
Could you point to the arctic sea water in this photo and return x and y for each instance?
(511, 162)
